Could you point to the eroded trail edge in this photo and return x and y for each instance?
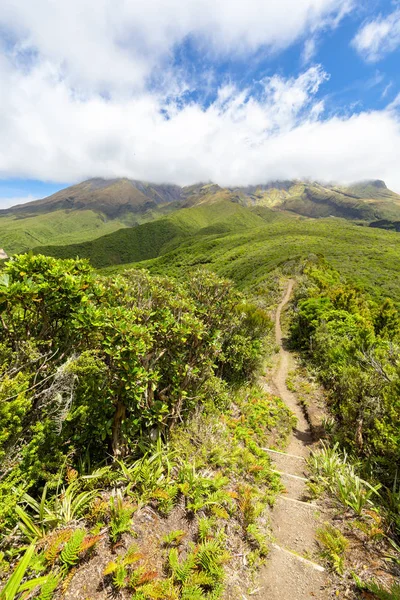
(292, 569)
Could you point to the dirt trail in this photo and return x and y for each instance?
(292, 571)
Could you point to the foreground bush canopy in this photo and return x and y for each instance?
(91, 365)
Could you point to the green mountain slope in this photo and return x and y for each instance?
(370, 257)
(111, 197)
(245, 244)
(97, 207)
(152, 239)
(61, 227)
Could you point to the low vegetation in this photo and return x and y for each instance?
(122, 401)
(353, 343)
(366, 256)
(131, 424)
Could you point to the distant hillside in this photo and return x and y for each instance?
(111, 197)
(152, 239)
(369, 257)
(115, 198)
(366, 201)
(245, 244)
(96, 207)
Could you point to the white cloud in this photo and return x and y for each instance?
(309, 50)
(241, 138)
(115, 44)
(76, 103)
(378, 37)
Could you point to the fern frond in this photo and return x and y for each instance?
(205, 526)
(120, 577)
(192, 592)
(70, 553)
(173, 559)
(185, 568)
(211, 556)
(161, 589)
(54, 544)
(132, 555)
(140, 595)
(67, 580)
(132, 558)
(146, 577)
(47, 590)
(219, 511)
(200, 578)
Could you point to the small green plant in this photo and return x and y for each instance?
(121, 570)
(120, 577)
(120, 516)
(174, 538)
(70, 553)
(333, 545)
(333, 471)
(257, 538)
(206, 526)
(354, 492)
(246, 504)
(211, 556)
(181, 570)
(49, 587)
(67, 505)
(328, 425)
(380, 592)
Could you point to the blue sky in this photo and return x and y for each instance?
(166, 91)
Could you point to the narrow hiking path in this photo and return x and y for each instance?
(292, 571)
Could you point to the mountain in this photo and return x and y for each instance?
(111, 197)
(115, 198)
(97, 207)
(368, 201)
(83, 212)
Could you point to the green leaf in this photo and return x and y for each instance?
(10, 590)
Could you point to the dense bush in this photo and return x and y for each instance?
(90, 365)
(355, 345)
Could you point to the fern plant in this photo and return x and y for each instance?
(210, 557)
(49, 587)
(120, 576)
(120, 516)
(334, 546)
(181, 570)
(158, 589)
(205, 527)
(380, 592)
(246, 504)
(120, 569)
(257, 539)
(54, 544)
(174, 538)
(72, 549)
(193, 592)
